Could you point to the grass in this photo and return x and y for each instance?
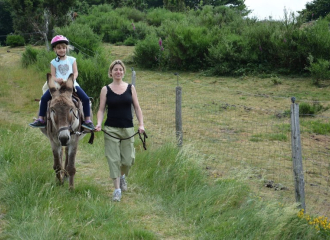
(173, 193)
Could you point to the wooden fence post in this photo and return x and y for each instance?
(298, 172)
(133, 83)
(178, 116)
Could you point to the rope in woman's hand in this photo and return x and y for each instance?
(142, 140)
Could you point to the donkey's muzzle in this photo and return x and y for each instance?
(64, 140)
(64, 135)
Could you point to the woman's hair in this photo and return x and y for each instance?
(112, 65)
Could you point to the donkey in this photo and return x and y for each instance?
(64, 118)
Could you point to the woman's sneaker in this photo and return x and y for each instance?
(89, 125)
(38, 124)
(123, 184)
(116, 195)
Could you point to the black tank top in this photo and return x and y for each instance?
(119, 108)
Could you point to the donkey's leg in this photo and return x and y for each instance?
(57, 153)
(66, 175)
(70, 168)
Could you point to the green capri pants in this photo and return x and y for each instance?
(119, 153)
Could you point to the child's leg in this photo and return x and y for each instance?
(86, 108)
(40, 122)
(85, 101)
(43, 104)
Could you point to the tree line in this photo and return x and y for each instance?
(218, 38)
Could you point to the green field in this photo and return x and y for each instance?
(188, 193)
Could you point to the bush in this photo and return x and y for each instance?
(82, 38)
(130, 41)
(29, 56)
(187, 46)
(305, 109)
(15, 40)
(132, 14)
(43, 61)
(319, 70)
(157, 16)
(93, 74)
(147, 52)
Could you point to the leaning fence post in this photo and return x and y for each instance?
(178, 114)
(133, 83)
(298, 172)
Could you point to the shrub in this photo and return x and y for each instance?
(305, 109)
(132, 14)
(82, 38)
(157, 16)
(130, 41)
(29, 56)
(187, 46)
(319, 70)
(44, 58)
(93, 74)
(15, 40)
(146, 53)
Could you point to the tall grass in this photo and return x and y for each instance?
(172, 179)
(225, 209)
(37, 208)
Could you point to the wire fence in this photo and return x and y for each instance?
(240, 140)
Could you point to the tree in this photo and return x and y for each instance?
(174, 5)
(6, 21)
(315, 9)
(236, 4)
(30, 17)
(154, 3)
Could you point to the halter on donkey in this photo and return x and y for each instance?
(64, 118)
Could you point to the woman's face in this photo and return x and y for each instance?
(117, 71)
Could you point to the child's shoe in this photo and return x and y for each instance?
(38, 124)
(88, 125)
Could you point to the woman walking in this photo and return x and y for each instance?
(118, 97)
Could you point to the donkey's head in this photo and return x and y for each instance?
(63, 113)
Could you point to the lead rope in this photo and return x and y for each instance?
(142, 140)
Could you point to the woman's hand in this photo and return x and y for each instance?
(141, 129)
(97, 128)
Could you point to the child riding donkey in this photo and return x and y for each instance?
(61, 67)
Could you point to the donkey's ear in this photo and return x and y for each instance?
(70, 82)
(51, 83)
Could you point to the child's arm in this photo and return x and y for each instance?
(53, 72)
(75, 70)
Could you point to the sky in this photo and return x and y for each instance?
(262, 9)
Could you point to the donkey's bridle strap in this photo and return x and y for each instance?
(66, 128)
(91, 139)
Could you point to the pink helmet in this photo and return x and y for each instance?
(59, 39)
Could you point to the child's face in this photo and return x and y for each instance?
(60, 49)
